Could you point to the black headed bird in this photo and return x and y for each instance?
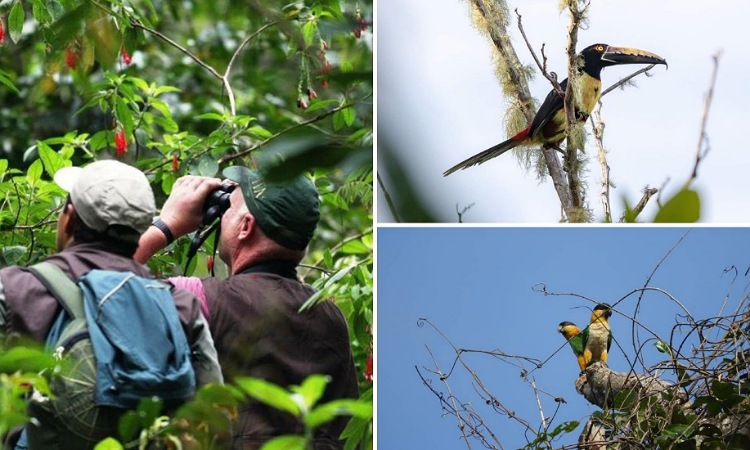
(597, 337)
(548, 126)
(574, 336)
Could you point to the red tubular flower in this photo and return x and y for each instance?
(2, 32)
(311, 93)
(210, 264)
(301, 103)
(126, 58)
(368, 369)
(71, 58)
(175, 163)
(121, 142)
(324, 83)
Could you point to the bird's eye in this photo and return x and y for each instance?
(600, 48)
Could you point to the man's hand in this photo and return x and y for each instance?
(183, 210)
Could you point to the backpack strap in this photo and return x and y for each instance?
(59, 284)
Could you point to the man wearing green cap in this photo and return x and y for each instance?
(254, 314)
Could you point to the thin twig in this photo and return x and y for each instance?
(462, 212)
(623, 81)
(598, 126)
(389, 200)
(703, 146)
(542, 65)
(648, 192)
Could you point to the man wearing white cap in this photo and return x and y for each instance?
(109, 206)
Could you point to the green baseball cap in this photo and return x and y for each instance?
(287, 212)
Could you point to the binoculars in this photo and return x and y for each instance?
(217, 203)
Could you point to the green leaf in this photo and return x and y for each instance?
(148, 410)
(327, 412)
(109, 444)
(5, 80)
(355, 247)
(270, 394)
(128, 425)
(208, 167)
(105, 36)
(51, 160)
(167, 181)
(288, 442)
(211, 116)
(312, 389)
(684, 207)
(259, 132)
(34, 174)
(662, 347)
(164, 89)
(25, 359)
(321, 104)
(309, 30)
(69, 25)
(124, 114)
(349, 115)
(16, 18)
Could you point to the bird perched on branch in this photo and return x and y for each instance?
(597, 337)
(574, 336)
(548, 126)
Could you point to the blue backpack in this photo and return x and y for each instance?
(119, 339)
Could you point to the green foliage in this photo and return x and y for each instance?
(194, 86)
(545, 438)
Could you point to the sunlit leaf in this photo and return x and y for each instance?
(684, 207)
(16, 18)
(270, 394)
(285, 443)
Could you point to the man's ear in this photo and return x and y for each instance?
(70, 215)
(247, 227)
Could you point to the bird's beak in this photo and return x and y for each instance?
(624, 55)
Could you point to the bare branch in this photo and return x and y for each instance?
(389, 201)
(598, 126)
(542, 66)
(463, 211)
(703, 146)
(624, 81)
(648, 192)
(573, 141)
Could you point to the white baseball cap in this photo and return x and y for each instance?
(108, 192)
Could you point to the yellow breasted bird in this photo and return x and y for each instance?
(548, 126)
(574, 336)
(597, 336)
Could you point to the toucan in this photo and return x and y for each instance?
(548, 126)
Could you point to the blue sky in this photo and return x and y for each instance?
(475, 285)
(439, 102)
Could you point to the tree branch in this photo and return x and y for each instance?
(703, 147)
(601, 386)
(573, 142)
(598, 126)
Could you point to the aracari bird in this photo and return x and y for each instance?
(548, 126)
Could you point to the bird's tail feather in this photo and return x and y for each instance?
(487, 155)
